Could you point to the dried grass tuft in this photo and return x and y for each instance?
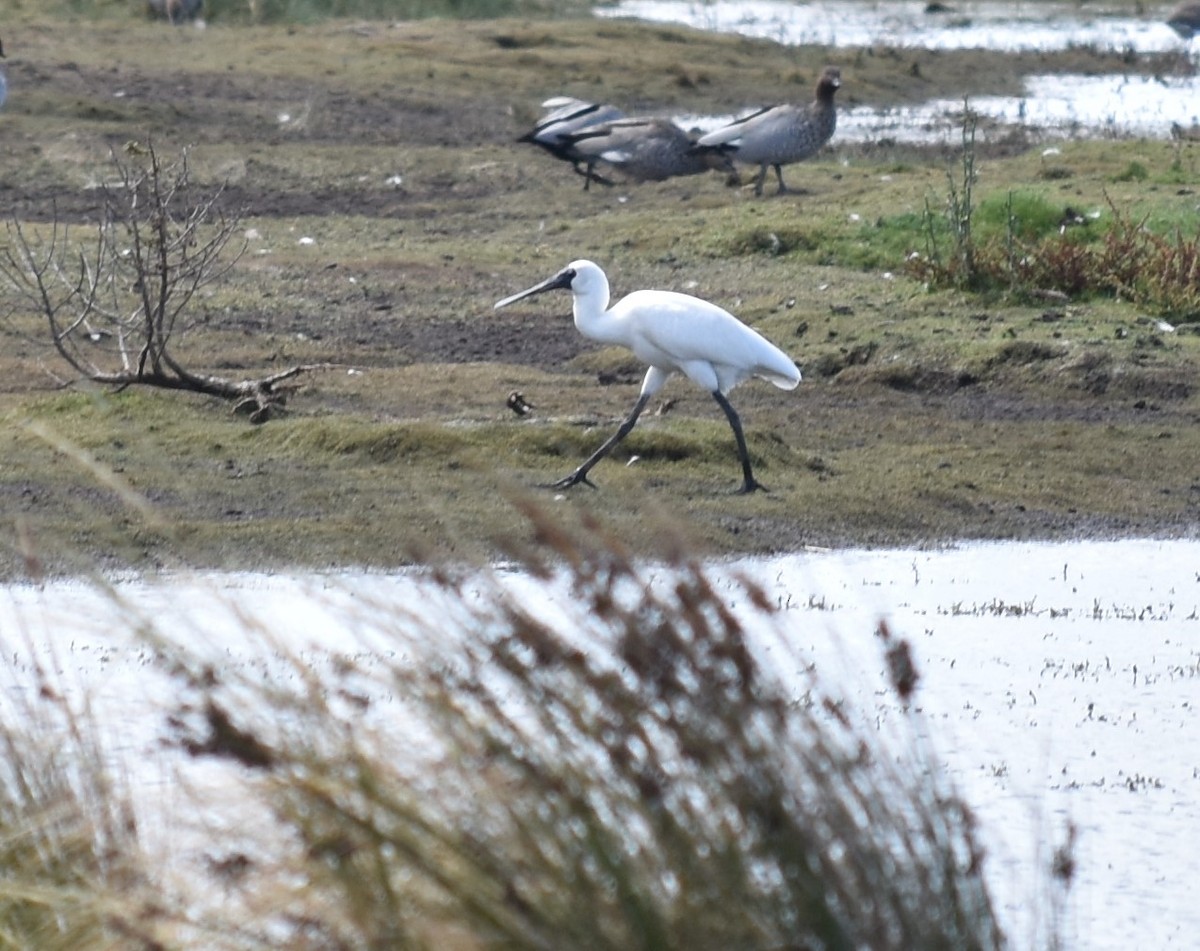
(626, 768)
(72, 873)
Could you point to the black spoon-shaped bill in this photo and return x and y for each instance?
(562, 279)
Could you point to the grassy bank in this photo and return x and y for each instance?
(386, 206)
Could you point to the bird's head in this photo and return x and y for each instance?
(829, 83)
(579, 277)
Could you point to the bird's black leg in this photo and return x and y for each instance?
(779, 175)
(589, 174)
(587, 177)
(762, 177)
(749, 484)
(581, 474)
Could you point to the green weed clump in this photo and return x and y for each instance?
(1125, 260)
(1029, 246)
(624, 772)
(949, 237)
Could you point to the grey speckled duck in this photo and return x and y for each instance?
(645, 149)
(1185, 19)
(564, 117)
(780, 135)
(177, 11)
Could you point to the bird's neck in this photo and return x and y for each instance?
(593, 320)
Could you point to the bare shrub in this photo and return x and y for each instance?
(115, 301)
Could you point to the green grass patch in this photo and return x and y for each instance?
(1025, 215)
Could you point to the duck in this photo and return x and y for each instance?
(780, 135)
(1185, 19)
(177, 11)
(564, 117)
(645, 149)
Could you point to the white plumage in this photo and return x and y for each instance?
(673, 333)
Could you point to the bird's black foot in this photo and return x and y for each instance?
(589, 177)
(752, 485)
(574, 479)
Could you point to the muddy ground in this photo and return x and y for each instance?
(394, 145)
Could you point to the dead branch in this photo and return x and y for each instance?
(114, 298)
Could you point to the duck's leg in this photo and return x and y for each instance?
(762, 177)
(590, 175)
(779, 175)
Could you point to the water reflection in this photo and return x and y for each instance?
(1053, 107)
(1007, 27)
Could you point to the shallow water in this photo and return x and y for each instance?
(1059, 684)
(1053, 107)
(1007, 27)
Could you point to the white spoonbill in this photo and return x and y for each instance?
(674, 333)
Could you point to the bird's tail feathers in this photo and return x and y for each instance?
(784, 377)
(718, 148)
